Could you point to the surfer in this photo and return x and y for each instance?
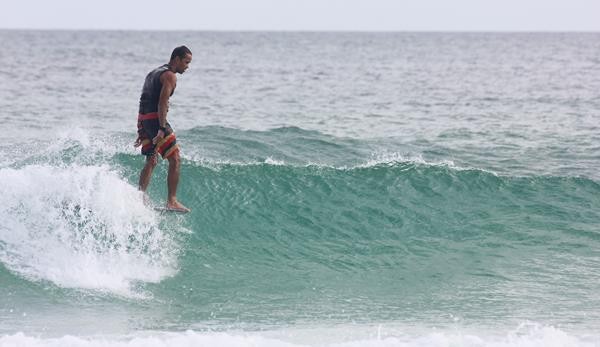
(155, 134)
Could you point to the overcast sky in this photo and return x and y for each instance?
(314, 15)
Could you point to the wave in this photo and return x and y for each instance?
(392, 201)
(387, 237)
(87, 227)
(532, 335)
(330, 239)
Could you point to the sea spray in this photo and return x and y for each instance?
(81, 227)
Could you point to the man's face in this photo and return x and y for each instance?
(182, 64)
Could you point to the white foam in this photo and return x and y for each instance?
(534, 337)
(217, 164)
(275, 162)
(377, 159)
(78, 144)
(392, 158)
(93, 145)
(80, 227)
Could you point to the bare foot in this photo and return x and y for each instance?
(177, 206)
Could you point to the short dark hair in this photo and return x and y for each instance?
(180, 52)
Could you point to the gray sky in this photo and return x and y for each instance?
(355, 15)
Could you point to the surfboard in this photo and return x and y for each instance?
(170, 210)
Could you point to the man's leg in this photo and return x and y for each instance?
(146, 174)
(173, 181)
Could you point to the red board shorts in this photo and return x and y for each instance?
(147, 129)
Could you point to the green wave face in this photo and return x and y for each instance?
(359, 243)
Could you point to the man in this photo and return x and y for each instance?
(155, 134)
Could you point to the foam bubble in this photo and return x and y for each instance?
(80, 227)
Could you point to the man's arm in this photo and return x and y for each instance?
(169, 81)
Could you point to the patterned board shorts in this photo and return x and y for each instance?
(147, 129)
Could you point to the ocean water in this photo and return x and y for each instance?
(347, 189)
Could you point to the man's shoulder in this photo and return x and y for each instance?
(168, 76)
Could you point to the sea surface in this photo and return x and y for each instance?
(347, 189)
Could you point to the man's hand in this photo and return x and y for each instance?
(159, 136)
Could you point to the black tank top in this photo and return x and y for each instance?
(151, 90)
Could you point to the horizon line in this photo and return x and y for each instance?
(516, 31)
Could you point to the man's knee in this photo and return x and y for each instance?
(174, 159)
(151, 161)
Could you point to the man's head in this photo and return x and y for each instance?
(181, 59)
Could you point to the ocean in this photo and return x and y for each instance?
(347, 189)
